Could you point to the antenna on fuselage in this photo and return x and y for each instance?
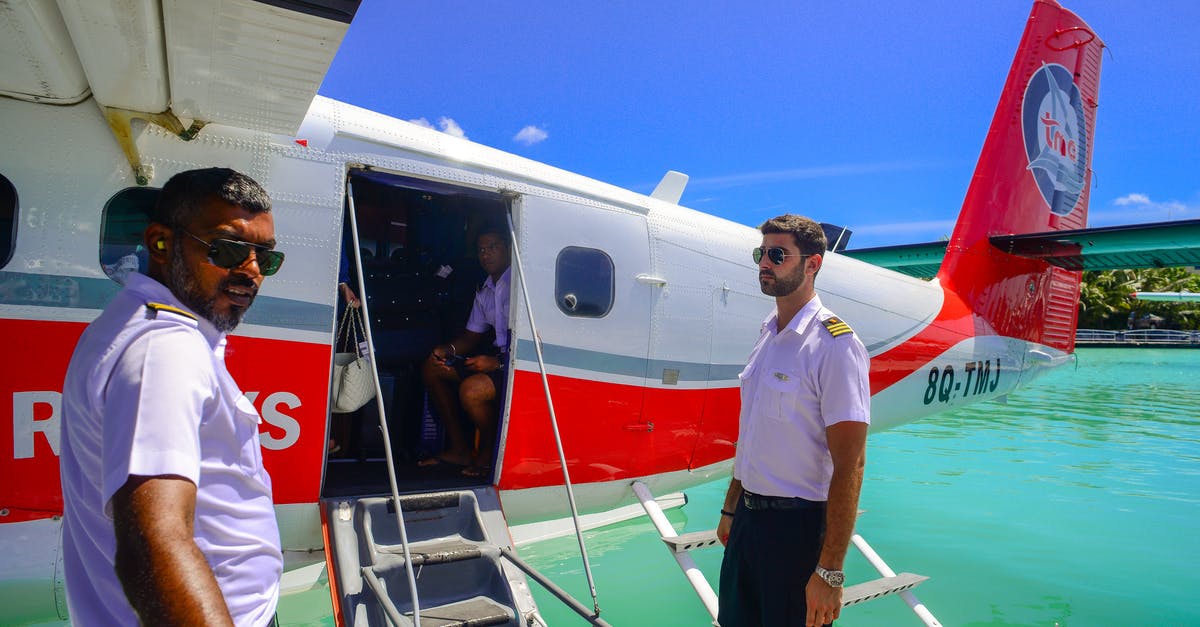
(670, 188)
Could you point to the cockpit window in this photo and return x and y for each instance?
(126, 216)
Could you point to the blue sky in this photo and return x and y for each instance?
(869, 115)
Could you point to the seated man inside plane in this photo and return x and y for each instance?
(460, 382)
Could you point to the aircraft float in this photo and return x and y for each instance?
(631, 315)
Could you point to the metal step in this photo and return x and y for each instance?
(478, 611)
(881, 587)
(462, 580)
(429, 552)
(474, 612)
(693, 540)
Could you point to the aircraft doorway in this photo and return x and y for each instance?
(421, 269)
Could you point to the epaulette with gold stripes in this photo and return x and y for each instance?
(836, 327)
(157, 307)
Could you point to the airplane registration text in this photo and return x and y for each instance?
(980, 378)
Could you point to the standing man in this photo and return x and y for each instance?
(473, 385)
(790, 508)
(168, 517)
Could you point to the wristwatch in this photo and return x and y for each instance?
(835, 578)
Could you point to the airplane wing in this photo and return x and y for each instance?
(918, 260)
(1156, 245)
(246, 63)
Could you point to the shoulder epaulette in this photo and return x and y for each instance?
(836, 327)
(157, 307)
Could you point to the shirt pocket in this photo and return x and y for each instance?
(246, 420)
(779, 395)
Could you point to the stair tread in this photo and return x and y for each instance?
(428, 553)
(474, 612)
(880, 587)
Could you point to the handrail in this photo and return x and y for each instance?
(552, 588)
(387, 440)
(1166, 337)
(562, 458)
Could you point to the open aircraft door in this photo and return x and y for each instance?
(582, 262)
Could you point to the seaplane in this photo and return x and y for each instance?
(631, 315)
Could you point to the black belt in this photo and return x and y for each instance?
(758, 501)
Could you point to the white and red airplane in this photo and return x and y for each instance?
(646, 310)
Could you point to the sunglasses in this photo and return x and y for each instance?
(230, 254)
(776, 254)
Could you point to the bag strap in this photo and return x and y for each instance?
(350, 329)
(356, 322)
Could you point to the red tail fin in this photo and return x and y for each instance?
(1033, 176)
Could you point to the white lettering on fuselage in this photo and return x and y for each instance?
(274, 417)
(25, 424)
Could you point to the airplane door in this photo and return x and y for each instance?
(582, 261)
(679, 376)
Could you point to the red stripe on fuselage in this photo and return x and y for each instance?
(612, 431)
(291, 379)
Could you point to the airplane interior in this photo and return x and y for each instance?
(420, 273)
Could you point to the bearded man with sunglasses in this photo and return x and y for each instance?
(168, 514)
(790, 508)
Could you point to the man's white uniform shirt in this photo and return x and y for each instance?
(147, 393)
(490, 309)
(797, 382)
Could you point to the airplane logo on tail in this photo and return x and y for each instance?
(1056, 137)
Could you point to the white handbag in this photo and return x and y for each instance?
(353, 379)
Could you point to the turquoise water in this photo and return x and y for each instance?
(1074, 504)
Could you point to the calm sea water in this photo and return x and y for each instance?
(1077, 503)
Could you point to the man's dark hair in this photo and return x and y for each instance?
(809, 236)
(184, 195)
(494, 229)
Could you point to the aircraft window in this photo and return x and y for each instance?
(583, 283)
(125, 218)
(8, 220)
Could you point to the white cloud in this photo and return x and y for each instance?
(1136, 208)
(530, 135)
(1132, 199)
(445, 125)
(450, 127)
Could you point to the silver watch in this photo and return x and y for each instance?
(835, 578)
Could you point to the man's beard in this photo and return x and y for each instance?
(183, 284)
(782, 286)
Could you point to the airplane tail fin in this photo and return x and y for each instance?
(1033, 176)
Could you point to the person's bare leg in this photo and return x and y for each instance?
(442, 384)
(478, 396)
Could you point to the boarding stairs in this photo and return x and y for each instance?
(436, 559)
(461, 577)
(887, 584)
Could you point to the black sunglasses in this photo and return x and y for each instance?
(230, 254)
(776, 254)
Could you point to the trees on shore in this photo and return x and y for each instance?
(1106, 302)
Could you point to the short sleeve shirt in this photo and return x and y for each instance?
(147, 393)
(490, 310)
(798, 382)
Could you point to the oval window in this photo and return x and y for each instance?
(583, 282)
